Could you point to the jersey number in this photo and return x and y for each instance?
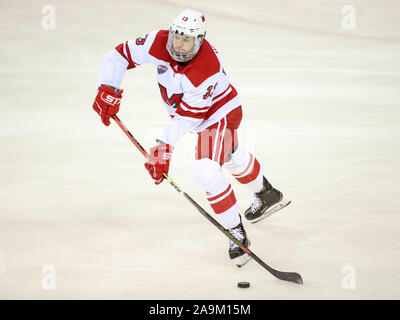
(210, 91)
(175, 99)
(140, 41)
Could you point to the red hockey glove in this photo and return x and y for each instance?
(160, 156)
(107, 102)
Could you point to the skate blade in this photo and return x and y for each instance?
(280, 205)
(242, 260)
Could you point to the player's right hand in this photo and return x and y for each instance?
(107, 102)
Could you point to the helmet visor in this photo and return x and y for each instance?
(182, 47)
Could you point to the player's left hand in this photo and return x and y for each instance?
(160, 157)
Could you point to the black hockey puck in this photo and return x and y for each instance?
(243, 284)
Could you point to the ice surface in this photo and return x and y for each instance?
(321, 113)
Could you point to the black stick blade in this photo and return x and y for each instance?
(281, 275)
(289, 276)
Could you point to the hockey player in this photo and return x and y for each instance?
(199, 97)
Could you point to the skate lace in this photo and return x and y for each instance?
(257, 203)
(238, 234)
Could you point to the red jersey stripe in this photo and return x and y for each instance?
(184, 113)
(221, 94)
(120, 50)
(194, 108)
(128, 51)
(225, 100)
(189, 114)
(219, 104)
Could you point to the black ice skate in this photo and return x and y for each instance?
(239, 257)
(266, 202)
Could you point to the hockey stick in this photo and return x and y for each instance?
(286, 276)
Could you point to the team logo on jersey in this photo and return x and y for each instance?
(174, 101)
(161, 69)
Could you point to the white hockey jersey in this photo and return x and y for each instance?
(195, 95)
